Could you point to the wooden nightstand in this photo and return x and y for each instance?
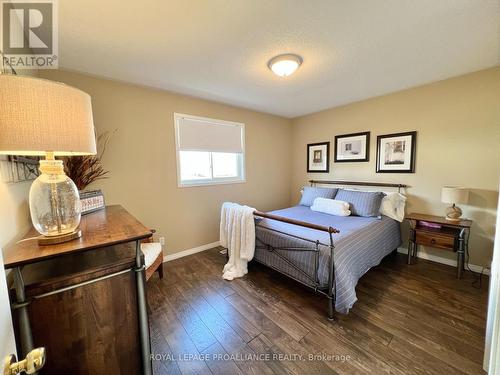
(437, 232)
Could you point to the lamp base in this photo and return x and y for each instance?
(453, 213)
(52, 240)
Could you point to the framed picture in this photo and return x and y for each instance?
(396, 153)
(352, 147)
(14, 168)
(91, 201)
(318, 157)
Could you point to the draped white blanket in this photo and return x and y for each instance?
(237, 234)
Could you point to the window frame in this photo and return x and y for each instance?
(240, 179)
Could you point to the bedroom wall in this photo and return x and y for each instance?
(458, 125)
(14, 210)
(142, 162)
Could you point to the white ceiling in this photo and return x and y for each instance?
(218, 49)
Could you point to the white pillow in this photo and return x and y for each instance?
(393, 206)
(331, 207)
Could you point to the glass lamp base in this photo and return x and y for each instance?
(54, 201)
(453, 213)
(52, 240)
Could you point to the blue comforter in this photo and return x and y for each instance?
(360, 245)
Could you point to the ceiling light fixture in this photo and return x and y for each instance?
(284, 65)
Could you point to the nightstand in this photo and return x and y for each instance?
(437, 232)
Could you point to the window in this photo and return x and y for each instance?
(209, 151)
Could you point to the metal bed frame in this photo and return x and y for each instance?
(329, 290)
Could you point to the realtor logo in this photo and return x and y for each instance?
(29, 34)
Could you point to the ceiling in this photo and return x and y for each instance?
(218, 49)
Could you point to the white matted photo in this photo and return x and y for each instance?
(352, 147)
(318, 157)
(396, 153)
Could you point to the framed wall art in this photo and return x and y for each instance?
(396, 153)
(318, 157)
(15, 168)
(352, 147)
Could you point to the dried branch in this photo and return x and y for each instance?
(84, 170)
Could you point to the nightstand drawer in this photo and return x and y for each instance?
(434, 240)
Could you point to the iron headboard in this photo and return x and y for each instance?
(358, 183)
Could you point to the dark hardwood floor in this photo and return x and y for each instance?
(408, 319)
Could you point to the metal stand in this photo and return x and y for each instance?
(412, 246)
(462, 248)
(22, 306)
(147, 366)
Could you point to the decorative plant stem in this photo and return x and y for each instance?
(84, 170)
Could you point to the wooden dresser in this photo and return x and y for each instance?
(84, 300)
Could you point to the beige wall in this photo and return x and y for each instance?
(14, 210)
(457, 120)
(458, 143)
(142, 161)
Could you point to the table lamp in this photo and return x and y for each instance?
(453, 195)
(46, 118)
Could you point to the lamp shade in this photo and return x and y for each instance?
(453, 194)
(39, 116)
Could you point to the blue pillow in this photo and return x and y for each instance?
(311, 193)
(362, 203)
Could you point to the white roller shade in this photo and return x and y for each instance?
(203, 134)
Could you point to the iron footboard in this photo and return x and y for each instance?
(313, 280)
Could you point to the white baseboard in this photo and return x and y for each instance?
(442, 260)
(402, 250)
(187, 252)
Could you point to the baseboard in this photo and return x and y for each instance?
(449, 262)
(187, 252)
(402, 250)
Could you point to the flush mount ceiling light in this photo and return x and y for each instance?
(284, 65)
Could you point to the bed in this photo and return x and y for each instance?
(324, 252)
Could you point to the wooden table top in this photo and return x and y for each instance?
(111, 226)
(464, 223)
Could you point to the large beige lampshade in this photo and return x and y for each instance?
(39, 116)
(452, 194)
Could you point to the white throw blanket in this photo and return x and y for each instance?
(237, 234)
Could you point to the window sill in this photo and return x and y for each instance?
(209, 183)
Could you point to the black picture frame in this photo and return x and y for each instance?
(310, 147)
(411, 153)
(367, 147)
(24, 168)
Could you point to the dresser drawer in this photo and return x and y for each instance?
(435, 240)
